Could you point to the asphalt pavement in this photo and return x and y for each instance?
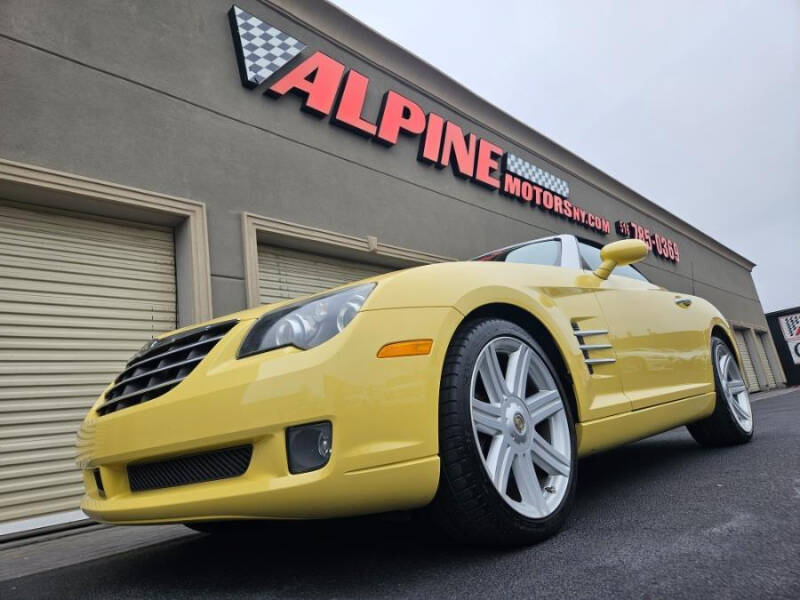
(659, 518)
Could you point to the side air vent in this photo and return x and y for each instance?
(587, 349)
(164, 365)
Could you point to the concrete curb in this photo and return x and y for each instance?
(758, 396)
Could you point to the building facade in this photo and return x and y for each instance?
(784, 325)
(161, 164)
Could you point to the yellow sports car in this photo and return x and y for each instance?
(470, 388)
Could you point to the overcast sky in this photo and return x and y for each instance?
(694, 104)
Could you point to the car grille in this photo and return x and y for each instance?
(194, 468)
(163, 366)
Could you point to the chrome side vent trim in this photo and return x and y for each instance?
(600, 361)
(587, 348)
(587, 332)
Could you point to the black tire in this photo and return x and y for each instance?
(721, 428)
(467, 504)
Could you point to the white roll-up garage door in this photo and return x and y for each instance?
(284, 273)
(78, 296)
(747, 361)
(762, 356)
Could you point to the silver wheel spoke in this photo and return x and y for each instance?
(543, 405)
(488, 417)
(505, 420)
(499, 462)
(739, 409)
(733, 387)
(724, 364)
(492, 375)
(548, 458)
(517, 371)
(736, 386)
(528, 483)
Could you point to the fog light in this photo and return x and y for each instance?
(308, 447)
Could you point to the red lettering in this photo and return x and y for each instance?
(567, 208)
(538, 191)
(399, 114)
(351, 104)
(461, 149)
(432, 140)
(511, 185)
(547, 200)
(558, 207)
(316, 79)
(526, 191)
(487, 163)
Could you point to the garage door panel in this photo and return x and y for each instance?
(747, 361)
(33, 468)
(35, 509)
(78, 333)
(41, 442)
(58, 367)
(73, 256)
(68, 230)
(115, 291)
(34, 392)
(33, 300)
(31, 424)
(83, 269)
(49, 322)
(78, 296)
(88, 228)
(57, 274)
(762, 356)
(67, 246)
(286, 274)
(70, 478)
(14, 309)
(16, 381)
(300, 282)
(47, 403)
(66, 356)
(31, 496)
(43, 430)
(46, 417)
(47, 455)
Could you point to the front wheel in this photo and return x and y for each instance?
(732, 420)
(506, 437)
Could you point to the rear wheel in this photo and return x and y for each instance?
(732, 420)
(506, 436)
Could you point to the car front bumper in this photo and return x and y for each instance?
(383, 414)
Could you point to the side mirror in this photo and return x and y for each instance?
(621, 253)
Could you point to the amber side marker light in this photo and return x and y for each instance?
(407, 348)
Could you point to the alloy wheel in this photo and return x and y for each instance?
(521, 426)
(733, 386)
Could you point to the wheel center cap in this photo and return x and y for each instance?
(519, 422)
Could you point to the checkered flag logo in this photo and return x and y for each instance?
(792, 325)
(522, 168)
(261, 48)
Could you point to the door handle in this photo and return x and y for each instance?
(683, 302)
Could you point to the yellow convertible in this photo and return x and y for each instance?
(470, 388)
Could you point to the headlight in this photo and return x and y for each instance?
(306, 324)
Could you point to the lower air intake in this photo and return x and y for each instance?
(194, 468)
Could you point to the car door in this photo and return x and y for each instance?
(657, 337)
(572, 293)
